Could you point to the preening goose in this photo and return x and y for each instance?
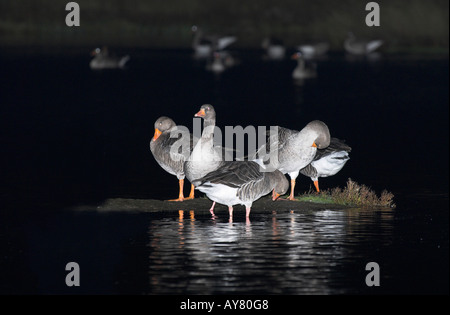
(241, 182)
(295, 149)
(361, 47)
(102, 60)
(274, 48)
(328, 161)
(171, 159)
(205, 45)
(312, 50)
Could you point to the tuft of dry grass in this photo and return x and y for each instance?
(353, 194)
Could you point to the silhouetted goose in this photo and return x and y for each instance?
(361, 47)
(205, 45)
(171, 160)
(302, 71)
(312, 50)
(241, 182)
(328, 161)
(295, 149)
(274, 48)
(102, 60)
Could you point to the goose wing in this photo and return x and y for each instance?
(336, 145)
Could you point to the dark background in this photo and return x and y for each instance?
(70, 135)
(415, 25)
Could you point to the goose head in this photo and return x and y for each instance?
(318, 133)
(281, 184)
(194, 28)
(100, 51)
(162, 124)
(297, 56)
(206, 112)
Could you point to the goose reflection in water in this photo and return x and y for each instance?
(276, 253)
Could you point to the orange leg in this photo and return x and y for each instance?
(191, 194)
(291, 196)
(180, 194)
(316, 184)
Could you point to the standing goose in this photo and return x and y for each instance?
(241, 182)
(172, 162)
(205, 157)
(296, 149)
(361, 47)
(328, 161)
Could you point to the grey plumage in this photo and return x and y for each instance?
(205, 157)
(328, 161)
(241, 182)
(295, 149)
(172, 162)
(171, 146)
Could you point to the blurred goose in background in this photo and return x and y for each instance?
(205, 45)
(241, 182)
(361, 47)
(221, 61)
(295, 149)
(328, 161)
(217, 65)
(302, 72)
(313, 50)
(172, 162)
(103, 60)
(205, 157)
(274, 48)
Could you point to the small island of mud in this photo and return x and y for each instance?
(202, 206)
(352, 196)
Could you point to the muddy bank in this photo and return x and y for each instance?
(200, 205)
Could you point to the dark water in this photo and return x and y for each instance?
(72, 136)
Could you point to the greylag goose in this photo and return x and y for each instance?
(295, 149)
(313, 50)
(102, 60)
(274, 48)
(328, 161)
(205, 45)
(217, 65)
(205, 157)
(302, 72)
(172, 161)
(361, 47)
(241, 182)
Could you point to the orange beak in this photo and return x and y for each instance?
(275, 196)
(157, 134)
(201, 113)
(294, 56)
(314, 145)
